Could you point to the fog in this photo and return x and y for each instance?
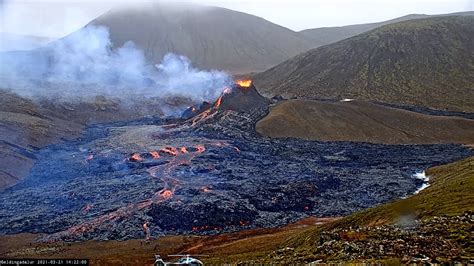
(58, 18)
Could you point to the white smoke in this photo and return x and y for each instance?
(84, 64)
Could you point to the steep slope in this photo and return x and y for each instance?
(211, 37)
(425, 62)
(327, 35)
(25, 127)
(362, 121)
(449, 194)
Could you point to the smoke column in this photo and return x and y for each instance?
(84, 65)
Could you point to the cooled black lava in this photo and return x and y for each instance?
(241, 180)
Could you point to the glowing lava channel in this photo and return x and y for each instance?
(164, 172)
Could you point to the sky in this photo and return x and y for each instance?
(57, 18)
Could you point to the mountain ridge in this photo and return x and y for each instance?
(327, 35)
(400, 63)
(212, 37)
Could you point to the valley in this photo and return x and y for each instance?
(173, 128)
(212, 168)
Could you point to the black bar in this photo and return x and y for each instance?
(44, 262)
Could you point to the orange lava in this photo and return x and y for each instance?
(136, 157)
(155, 154)
(218, 102)
(163, 172)
(201, 117)
(147, 231)
(170, 150)
(200, 148)
(244, 83)
(166, 194)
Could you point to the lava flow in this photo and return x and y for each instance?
(208, 113)
(244, 83)
(196, 179)
(170, 150)
(135, 157)
(155, 154)
(163, 172)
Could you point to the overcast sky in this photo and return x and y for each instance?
(56, 18)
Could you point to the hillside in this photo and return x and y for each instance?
(327, 35)
(27, 125)
(362, 121)
(438, 217)
(212, 37)
(424, 62)
(296, 243)
(454, 182)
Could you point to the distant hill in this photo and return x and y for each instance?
(327, 35)
(17, 42)
(362, 121)
(212, 37)
(423, 62)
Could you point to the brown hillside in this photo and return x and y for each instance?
(423, 62)
(362, 121)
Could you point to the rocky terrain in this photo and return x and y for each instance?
(423, 228)
(436, 240)
(362, 122)
(212, 168)
(28, 125)
(374, 165)
(423, 62)
(447, 218)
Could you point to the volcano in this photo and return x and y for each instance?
(205, 174)
(241, 97)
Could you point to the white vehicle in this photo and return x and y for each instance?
(184, 260)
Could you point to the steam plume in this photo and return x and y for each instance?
(84, 65)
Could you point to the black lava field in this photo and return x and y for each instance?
(205, 175)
